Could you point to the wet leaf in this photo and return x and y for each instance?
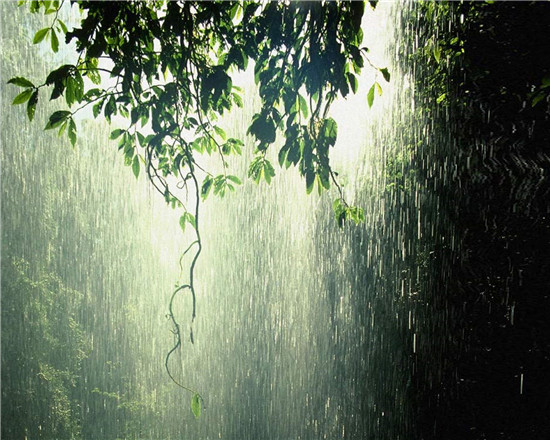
(206, 187)
(135, 166)
(196, 405)
(40, 35)
(21, 82)
(57, 118)
(385, 74)
(72, 132)
(54, 42)
(31, 106)
(370, 96)
(234, 179)
(22, 97)
(116, 133)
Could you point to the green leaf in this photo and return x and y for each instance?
(110, 108)
(385, 74)
(72, 132)
(22, 97)
(69, 91)
(237, 99)
(538, 98)
(356, 214)
(141, 139)
(191, 219)
(91, 70)
(255, 169)
(303, 106)
(62, 25)
(40, 35)
(79, 86)
(135, 166)
(352, 81)
(378, 88)
(323, 177)
(263, 128)
(57, 118)
(58, 89)
(60, 74)
(34, 7)
(116, 133)
(62, 129)
(269, 171)
(206, 187)
(31, 106)
(330, 131)
(220, 132)
(54, 42)
(21, 82)
(196, 405)
(282, 155)
(370, 96)
(234, 179)
(96, 109)
(310, 180)
(339, 209)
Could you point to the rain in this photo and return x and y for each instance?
(429, 320)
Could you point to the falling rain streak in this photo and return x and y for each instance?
(303, 330)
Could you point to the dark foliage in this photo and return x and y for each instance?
(493, 290)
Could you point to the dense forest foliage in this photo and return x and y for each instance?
(486, 68)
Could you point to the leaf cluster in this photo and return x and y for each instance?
(171, 64)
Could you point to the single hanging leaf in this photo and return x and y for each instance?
(135, 166)
(310, 180)
(117, 133)
(538, 98)
(72, 132)
(54, 41)
(21, 82)
(269, 171)
(62, 25)
(191, 219)
(234, 179)
(196, 405)
(22, 97)
(40, 35)
(31, 106)
(206, 186)
(370, 96)
(62, 129)
(220, 132)
(183, 220)
(352, 82)
(303, 106)
(385, 74)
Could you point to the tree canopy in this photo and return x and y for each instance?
(167, 68)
